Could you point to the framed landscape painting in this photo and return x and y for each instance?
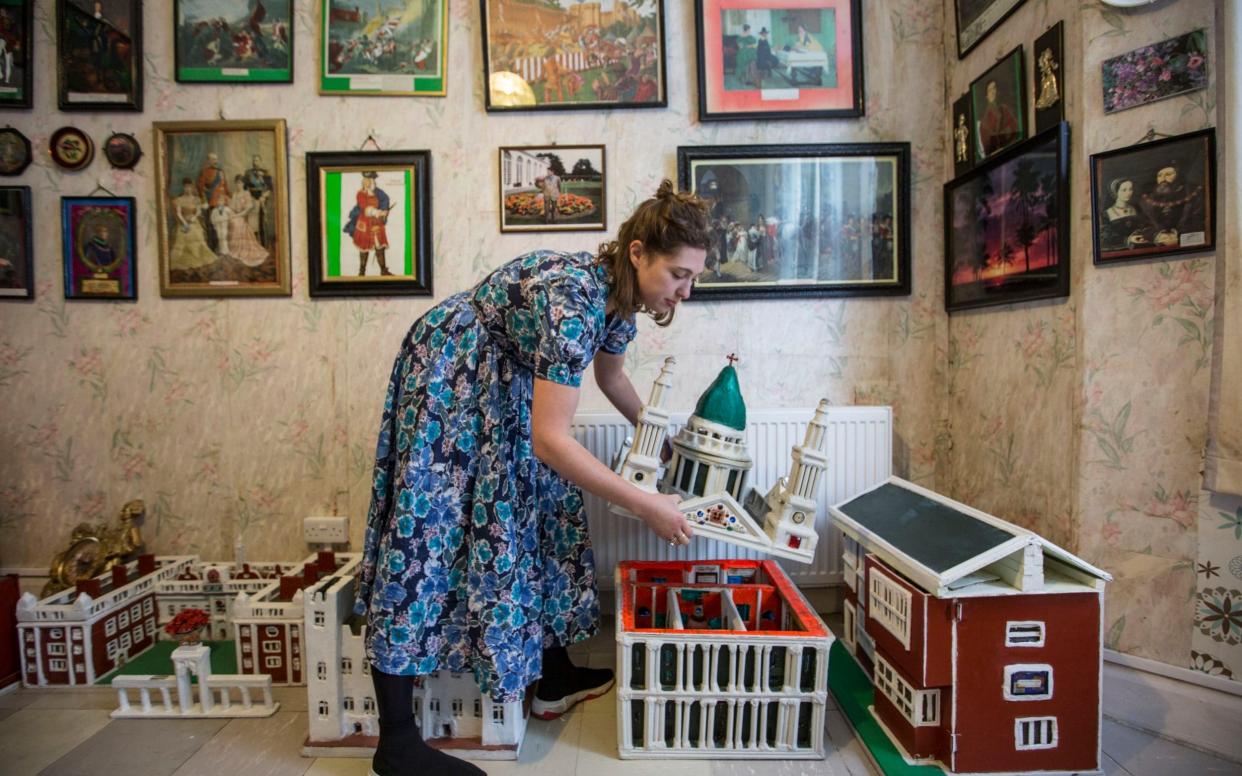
(16, 252)
(552, 189)
(16, 23)
(98, 243)
(395, 47)
(220, 41)
(99, 54)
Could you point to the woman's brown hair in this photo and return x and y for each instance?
(664, 223)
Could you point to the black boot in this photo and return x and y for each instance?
(564, 684)
(401, 750)
(383, 264)
(362, 255)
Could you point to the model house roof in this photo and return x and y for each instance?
(722, 401)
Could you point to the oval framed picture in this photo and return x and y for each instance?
(71, 148)
(122, 151)
(15, 152)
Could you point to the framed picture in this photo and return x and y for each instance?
(997, 100)
(399, 47)
(1006, 226)
(1048, 76)
(1156, 72)
(566, 55)
(369, 216)
(16, 22)
(15, 153)
(248, 42)
(99, 54)
(803, 220)
(552, 189)
(97, 236)
(16, 251)
(1155, 200)
(779, 59)
(71, 148)
(963, 135)
(977, 18)
(122, 150)
(222, 204)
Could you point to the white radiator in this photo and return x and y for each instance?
(859, 447)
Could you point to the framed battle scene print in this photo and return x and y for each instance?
(369, 220)
(98, 243)
(1048, 74)
(1006, 226)
(569, 55)
(962, 135)
(762, 59)
(997, 100)
(16, 23)
(99, 54)
(16, 253)
(222, 204)
(803, 220)
(1156, 72)
(1155, 200)
(221, 41)
(552, 189)
(977, 18)
(397, 47)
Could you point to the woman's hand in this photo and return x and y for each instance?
(659, 511)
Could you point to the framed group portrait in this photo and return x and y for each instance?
(16, 248)
(997, 100)
(97, 238)
(760, 59)
(552, 189)
(803, 220)
(222, 204)
(369, 223)
(99, 54)
(247, 41)
(398, 47)
(16, 24)
(975, 20)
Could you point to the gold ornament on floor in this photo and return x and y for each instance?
(95, 548)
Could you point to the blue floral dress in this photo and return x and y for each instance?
(476, 555)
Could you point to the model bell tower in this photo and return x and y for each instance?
(790, 520)
(642, 463)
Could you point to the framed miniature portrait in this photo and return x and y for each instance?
(98, 243)
(552, 189)
(566, 55)
(369, 220)
(977, 18)
(1156, 72)
(222, 204)
(399, 47)
(779, 59)
(71, 148)
(997, 100)
(16, 23)
(1048, 75)
(1156, 199)
(15, 153)
(246, 42)
(122, 150)
(962, 135)
(1007, 224)
(99, 54)
(803, 220)
(16, 251)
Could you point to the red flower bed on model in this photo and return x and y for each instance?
(187, 621)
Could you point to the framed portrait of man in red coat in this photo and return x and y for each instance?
(997, 100)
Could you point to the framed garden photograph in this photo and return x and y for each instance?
(998, 100)
(97, 238)
(977, 18)
(567, 55)
(1007, 224)
(16, 23)
(803, 220)
(397, 47)
(763, 59)
(1048, 74)
(16, 248)
(222, 205)
(1156, 72)
(99, 54)
(552, 189)
(1156, 199)
(222, 41)
(369, 222)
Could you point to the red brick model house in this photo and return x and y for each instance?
(983, 639)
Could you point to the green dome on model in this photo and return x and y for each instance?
(722, 401)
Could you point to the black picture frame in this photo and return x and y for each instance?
(980, 20)
(1048, 78)
(1008, 76)
(977, 231)
(16, 244)
(122, 151)
(15, 152)
(18, 96)
(823, 250)
(1157, 226)
(238, 72)
(582, 204)
(962, 135)
(329, 174)
(87, 44)
(99, 249)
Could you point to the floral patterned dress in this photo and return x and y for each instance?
(476, 555)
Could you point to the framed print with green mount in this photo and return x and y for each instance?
(16, 252)
(399, 49)
(233, 42)
(98, 241)
(16, 22)
(998, 102)
(99, 54)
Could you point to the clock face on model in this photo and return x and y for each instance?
(79, 560)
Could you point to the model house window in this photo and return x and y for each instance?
(150, 627)
(1024, 634)
(368, 703)
(126, 643)
(366, 668)
(220, 606)
(124, 620)
(77, 649)
(112, 649)
(246, 646)
(56, 633)
(321, 670)
(919, 707)
(890, 606)
(272, 661)
(1028, 682)
(498, 714)
(847, 626)
(110, 627)
(457, 707)
(478, 708)
(1035, 733)
(272, 631)
(433, 705)
(56, 664)
(347, 666)
(76, 634)
(271, 646)
(247, 663)
(56, 649)
(147, 606)
(319, 619)
(135, 611)
(323, 708)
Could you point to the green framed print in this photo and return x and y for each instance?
(225, 41)
(398, 47)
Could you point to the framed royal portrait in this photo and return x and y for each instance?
(97, 239)
(369, 221)
(16, 248)
(567, 55)
(16, 23)
(399, 47)
(1156, 72)
(1007, 225)
(997, 100)
(803, 220)
(552, 189)
(975, 20)
(236, 41)
(1048, 76)
(762, 59)
(222, 205)
(1155, 200)
(962, 135)
(99, 54)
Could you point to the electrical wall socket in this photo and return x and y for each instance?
(326, 530)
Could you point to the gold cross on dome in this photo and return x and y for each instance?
(731, 358)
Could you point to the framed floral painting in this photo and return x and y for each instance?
(98, 243)
(552, 189)
(1156, 72)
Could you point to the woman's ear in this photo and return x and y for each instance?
(636, 252)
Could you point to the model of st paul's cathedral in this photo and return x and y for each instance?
(710, 466)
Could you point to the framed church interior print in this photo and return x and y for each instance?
(99, 54)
